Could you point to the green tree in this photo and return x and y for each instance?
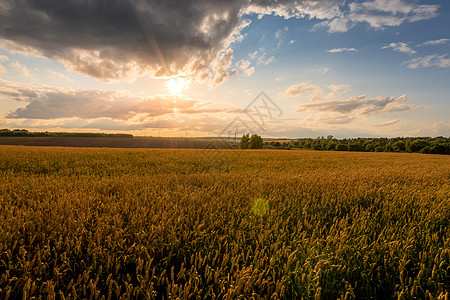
(416, 145)
(331, 145)
(256, 142)
(245, 139)
(369, 147)
(341, 147)
(399, 146)
(275, 144)
(355, 146)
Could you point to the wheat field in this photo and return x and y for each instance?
(222, 224)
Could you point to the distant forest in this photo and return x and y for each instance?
(428, 145)
(26, 133)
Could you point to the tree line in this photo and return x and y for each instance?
(428, 145)
(26, 133)
(251, 142)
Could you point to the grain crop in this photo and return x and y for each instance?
(222, 224)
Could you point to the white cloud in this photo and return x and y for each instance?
(336, 90)
(400, 47)
(315, 92)
(436, 42)
(435, 60)
(338, 87)
(220, 67)
(291, 42)
(23, 70)
(377, 14)
(55, 74)
(338, 25)
(381, 13)
(322, 70)
(280, 31)
(338, 50)
(293, 9)
(253, 55)
(260, 56)
(236, 35)
(300, 89)
(387, 6)
(360, 105)
(423, 12)
(268, 61)
(244, 65)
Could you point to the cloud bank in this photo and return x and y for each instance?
(379, 14)
(91, 104)
(434, 60)
(324, 107)
(122, 39)
(360, 105)
(49, 103)
(315, 92)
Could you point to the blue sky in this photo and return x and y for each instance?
(345, 68)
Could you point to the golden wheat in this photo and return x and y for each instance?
(228, 224)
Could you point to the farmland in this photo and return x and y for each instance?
(229, 224)
(112, 142)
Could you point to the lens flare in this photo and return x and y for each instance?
(260, 206)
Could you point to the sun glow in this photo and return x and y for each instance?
(177, 85)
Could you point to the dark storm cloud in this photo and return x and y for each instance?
(117, 39)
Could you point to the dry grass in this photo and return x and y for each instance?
(116, 223)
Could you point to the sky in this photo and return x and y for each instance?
(198, 68)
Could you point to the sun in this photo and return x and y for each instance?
(177, 85)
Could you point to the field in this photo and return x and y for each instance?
(165, 224)
(112, 142)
